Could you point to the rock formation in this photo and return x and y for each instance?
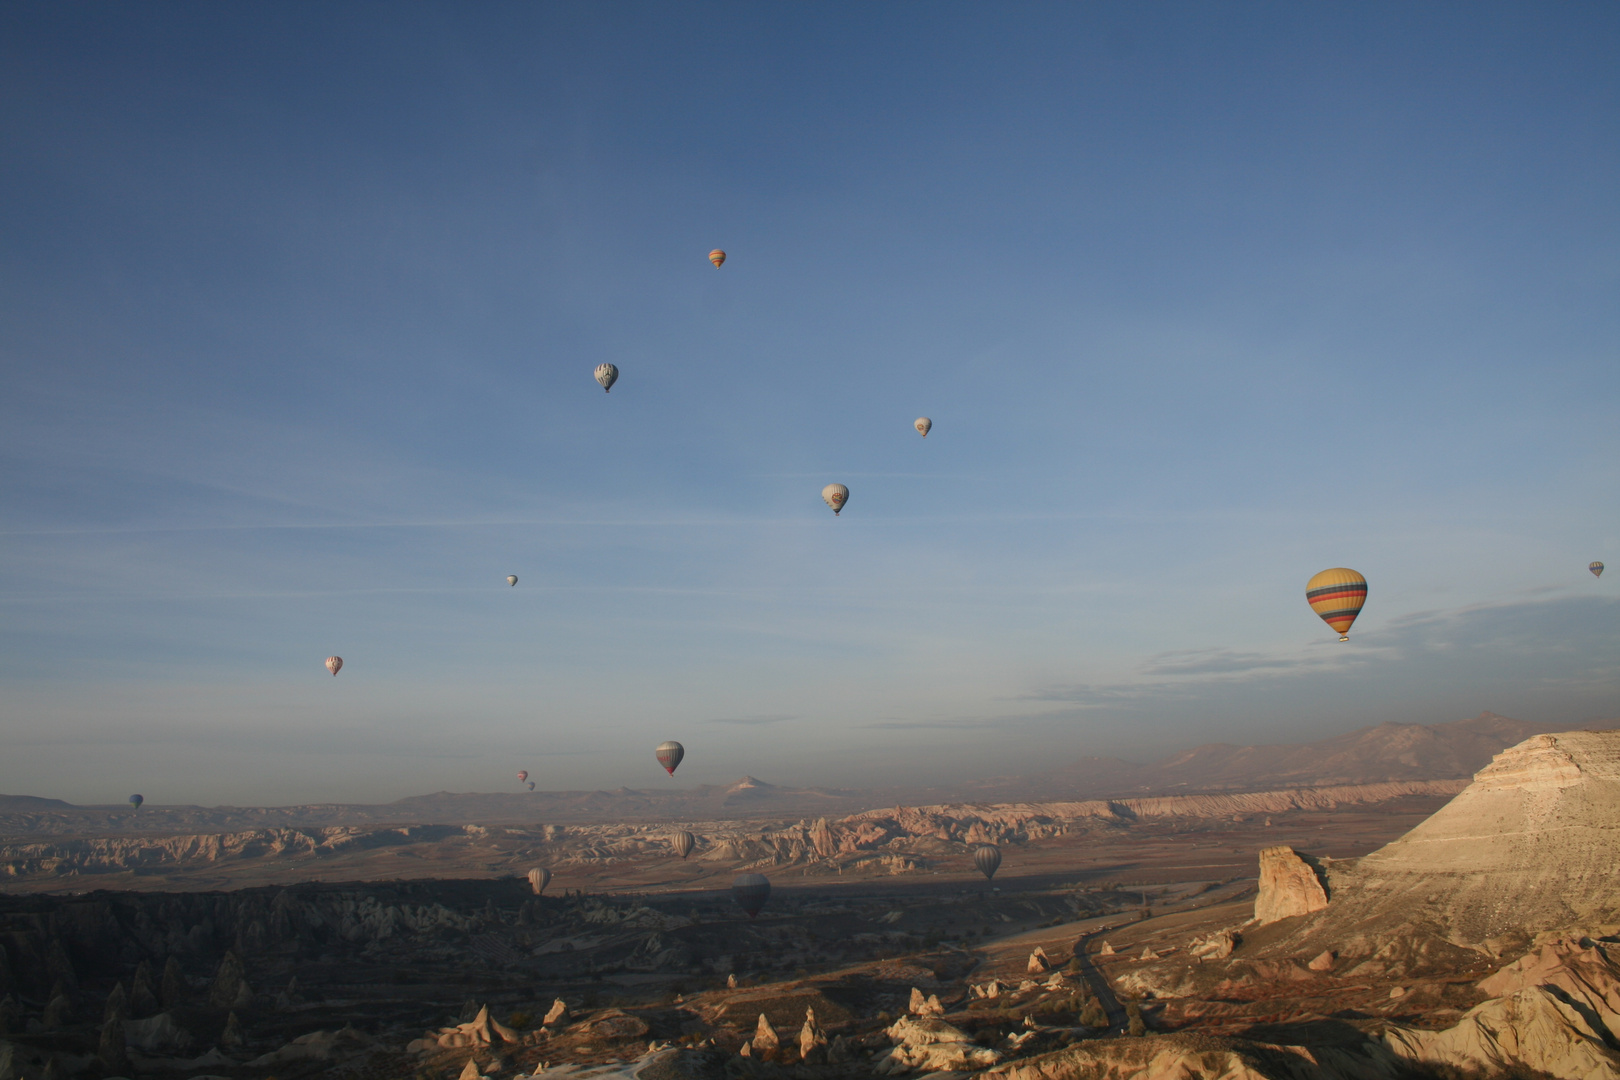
(1288, 886)
(932, 1045)
(1557, 1012)
(1531, 847)
(765, 1040)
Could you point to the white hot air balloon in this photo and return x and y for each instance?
(334, 664)
(511, 579)
(835, 496)
(539, 878)
(923, 426)
(607, 375)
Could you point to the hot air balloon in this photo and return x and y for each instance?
(669, 755)
(717, 257)
(835, 496)
(683, 842)
(923, 426)
(136, 800)
(751, 891)
(539, 878)
(334, 664)
(987, 857)
(531, 785)
(523, 774)
(1597, 569)
(607, 375)
(511, 579)
(1337, 596)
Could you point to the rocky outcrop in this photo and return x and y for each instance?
(765, 1040)
(1531, 847)
(1195, 1057)
(932, 1045)
(1288, 886)
(1556, 1011)
(893, 838)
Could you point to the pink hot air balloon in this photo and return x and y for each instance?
(523, 774)
(334, 664)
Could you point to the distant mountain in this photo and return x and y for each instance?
(1388, 752)
(1452, 750)
(25, 803)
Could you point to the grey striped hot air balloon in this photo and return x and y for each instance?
(683, 842)
(607, 375)
(669, 755)
(539, 878)
(987, 857)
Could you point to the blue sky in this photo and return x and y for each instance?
(299, 307)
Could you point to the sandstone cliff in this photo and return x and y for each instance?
(1531, 847)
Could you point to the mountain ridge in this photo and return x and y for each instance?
(1383, 753)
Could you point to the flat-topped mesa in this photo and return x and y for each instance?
(1532, 846)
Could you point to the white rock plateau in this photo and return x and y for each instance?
(1531, 847)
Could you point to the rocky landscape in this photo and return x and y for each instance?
(1361, 931)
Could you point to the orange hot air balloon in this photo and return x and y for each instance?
(717, 257)
(1337, 596)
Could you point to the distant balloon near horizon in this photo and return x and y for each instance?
(669, 755)
(923, 426)
(531, 785)
(751, 891)
(334, 664)
(683, 842)
(1597, 569)
(136, 800)
(987, 857)
(539, 878)
(607, 375)
(717, 257)
(1337, 595)
(835, 496)
(523, 774)
(511, 579)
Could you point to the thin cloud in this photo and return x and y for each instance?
(1214, 661)
(753, 721)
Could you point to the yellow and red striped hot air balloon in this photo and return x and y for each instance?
(1337, 596)
(717, 257)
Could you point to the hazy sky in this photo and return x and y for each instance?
(299, 306)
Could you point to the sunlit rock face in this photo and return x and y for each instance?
(1531, 847)
(1288, 886)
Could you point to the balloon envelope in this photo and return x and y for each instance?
(923, 426)
(539, 878)
(751, 891)
(683, 842)
(607, 375)
(987, 857)
(835, 496)
(531, 785)
(1597, 569)
(717, 257)
(136, 800)
(511, 579)
(523, 774)
(669, 755)
(334, 663)
(1337, 596)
